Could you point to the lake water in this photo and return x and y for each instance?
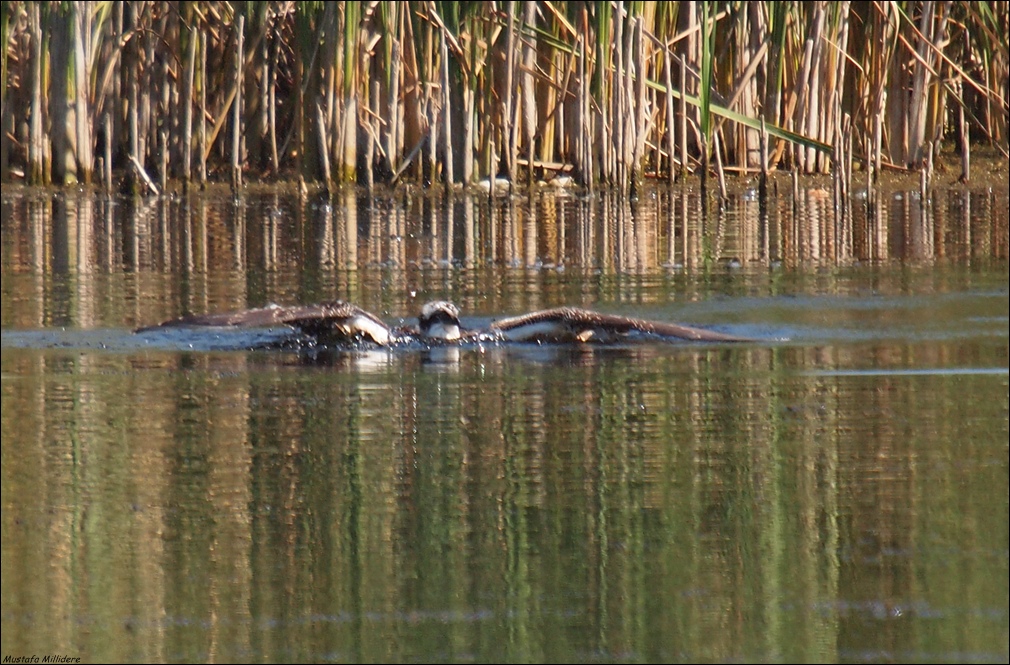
(838, 490)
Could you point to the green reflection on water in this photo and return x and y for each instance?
(840, 495)
(641, 503)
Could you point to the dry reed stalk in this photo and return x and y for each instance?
(529, 101)
(331, 68)
(272, 105)
(492, 173)
(833, 66)
(932, 34)
(839, 167)
(800, 94)
(143, 174)
(640, 103)
(629, 118)
(965, 142)
(163, 157)
(683, 119)
(165, 104)
(619, 98)
(813, 127)
(236, 146)
(836, 165)
(81, 18)
(203, 109)
(796, 189)
(187, 105)
(763, 183)
(324, 153)
(432, 116)
(554, 144)
(917, 111)
(347, 140)
(884, 29)
(750, 33)
(584, 152)
(115, 78)
(671, 139)
(161, 135)
(393, 147)
(868, 165)
(145, 119)
(134, 120)
(260, 136)
(36, 149)
(847, 182)
(720, 173)
(468, 134)
(604, 130)
(372, 134)
(897, 47)
(107, 175)
(61, 111)
(446, 116)
(510, 55)
(929, 162)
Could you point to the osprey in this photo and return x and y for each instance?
(340, 322)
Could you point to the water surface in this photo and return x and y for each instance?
(836, 490)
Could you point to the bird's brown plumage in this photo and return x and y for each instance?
(562, 324)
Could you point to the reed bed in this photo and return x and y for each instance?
(446, 93)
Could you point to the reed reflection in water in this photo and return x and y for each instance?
(839, 496)
(138, 261)
(520, 503)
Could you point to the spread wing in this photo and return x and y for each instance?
(261, 317)
(568, 323)
(336, 321)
